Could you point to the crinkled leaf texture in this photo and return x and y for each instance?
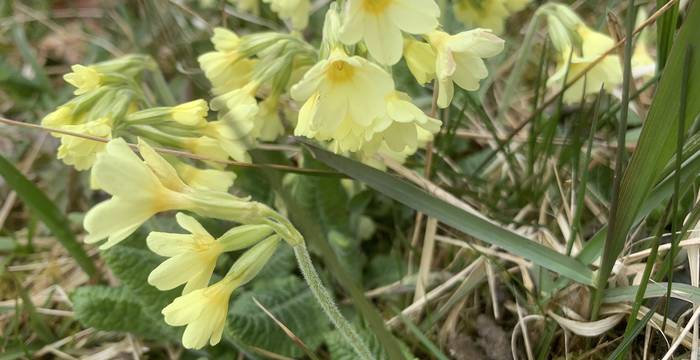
(340, 350)
(291, 302)
(135, 306)
(116, 309)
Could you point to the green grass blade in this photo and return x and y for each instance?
(434, 350)
(459, 219)
(681, 291)
(657, 141)
(614, 242)
(629, 337)
(48, 213)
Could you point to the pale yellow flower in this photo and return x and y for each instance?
(192, 257)
(137, 192)
(80, 152)
(406, 120)
(83, 78)
(379, 24)
(63, 115)
(204, 311)
(459, 59)
(209, 179)
(225, 68)
(267, 124)
(237, 108)
(141, 189)
(606, 74)
(193, 113)
(343, 95)
(232, 139)
(295, 11)
(206, 146)
(420, 58)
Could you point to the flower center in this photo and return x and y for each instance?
(375, 6)
(340, 72)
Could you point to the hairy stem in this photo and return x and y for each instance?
(323, 297)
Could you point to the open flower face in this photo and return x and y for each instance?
(204, 310)
(380, 22)
(139, 189)
(606, 74)
(192, 256)
(460, 60)
(341, 90)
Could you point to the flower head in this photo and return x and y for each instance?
(192, 257)
(420, 58)
(606, 74)
(209, 179)
(204, 310)
(232, 140)
(63, 115)
(206, 146)
(402, 131)
(226, 68)
(193, 113)
(83, 78)
(459, 59)
(139, 190)
(380, 22)
(344, 94)
(238, 108)
(267, 123)
(80, 152)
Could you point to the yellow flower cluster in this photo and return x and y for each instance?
(578, 47)
(489, 14)
(348, 99)
(143, 187)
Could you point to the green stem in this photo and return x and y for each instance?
(323, 297)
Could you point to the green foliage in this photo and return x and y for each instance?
(340, 350)
(117, 309)
(328, 201)
(291, 302)
(132, 266)
(135, 306)
(47, 212)
(462, 220)
(657, 142)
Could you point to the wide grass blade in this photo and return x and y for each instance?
(657, 142)
(459, 219)
(48, 213)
